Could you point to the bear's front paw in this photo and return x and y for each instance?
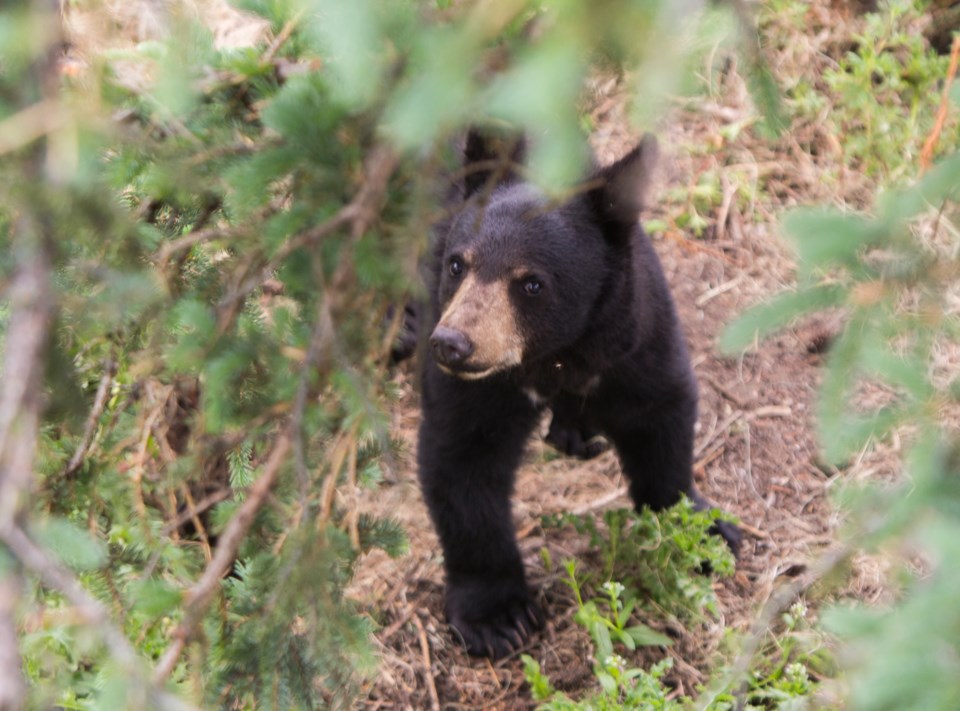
(493, 620)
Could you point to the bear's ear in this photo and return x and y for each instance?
(621, 188)
(491, 159)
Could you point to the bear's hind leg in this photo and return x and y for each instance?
(571, 433)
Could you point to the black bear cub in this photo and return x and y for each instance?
(537, 305)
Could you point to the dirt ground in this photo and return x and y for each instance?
(756, 457)
(756, 450)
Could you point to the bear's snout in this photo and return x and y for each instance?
(450, 347)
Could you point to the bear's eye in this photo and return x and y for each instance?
(456, 266)
(532, 286)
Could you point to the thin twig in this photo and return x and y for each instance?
(600, 502)
(723, 213)
(339, 450)
(205, 503)
(197, 523)
(229, 304)
(99, 404)
(139, 464)
(12, 687)
(199, 596)
(320, 337)
(427, 673)
(690, 245)
(31, 308)
(710, 294)
(281, 38)
(926, 153)
(29, 124)
(185, 242)
(352, 519)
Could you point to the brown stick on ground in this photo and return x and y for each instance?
(926, 154)
(427, 666)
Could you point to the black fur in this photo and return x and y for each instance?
(602, 348)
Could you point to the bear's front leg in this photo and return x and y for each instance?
(471, 440)
(654, 442)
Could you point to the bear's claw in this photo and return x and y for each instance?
(500, 632)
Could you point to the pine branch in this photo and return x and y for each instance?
(228, 544)
(31, 309)
(39, 562)
(359, 214)
(199, 596)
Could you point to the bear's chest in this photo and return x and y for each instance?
(547, 382)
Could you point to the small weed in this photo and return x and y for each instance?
(789, 667)
(784, 679)
(621, 686)
(661, 556)
(693, 207)
(660, 559)
(606, 619)
(697, 201)
(887, 90)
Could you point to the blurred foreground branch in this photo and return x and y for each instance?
(31, 307)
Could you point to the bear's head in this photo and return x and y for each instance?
(519, 276)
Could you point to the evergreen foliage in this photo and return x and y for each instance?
(892, 273)
(222, 241)
(207, 260)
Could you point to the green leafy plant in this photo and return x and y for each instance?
(660, 556)
(886, 89)
(780, 679)
(695, 201)
(622, 688)
(607, 619)
(790, 665)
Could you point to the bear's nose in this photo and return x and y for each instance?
(450, 347)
